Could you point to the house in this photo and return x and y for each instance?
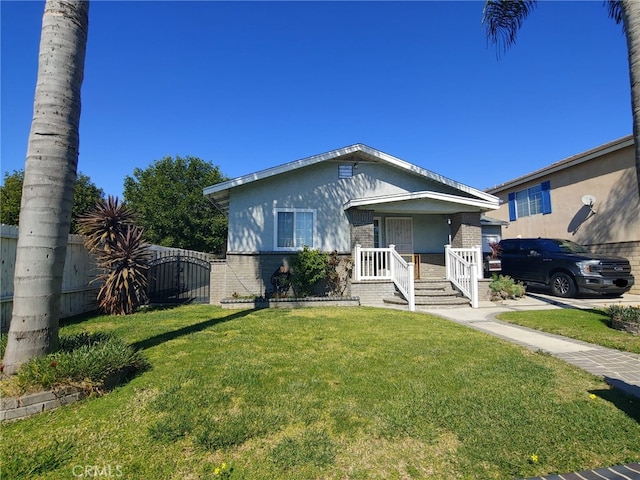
(333, 201)
(590, 198)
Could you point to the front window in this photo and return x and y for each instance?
(294, 229)
(529, 201)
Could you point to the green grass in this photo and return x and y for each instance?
(587, 325)
(358, 393)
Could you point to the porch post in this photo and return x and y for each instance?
(411, 289)
(447, 265)
(391, 263)
(358, 262)
(474, 287)
(479, 266)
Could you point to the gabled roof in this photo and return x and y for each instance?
(219, 193)
(423, 202)
(566, 163)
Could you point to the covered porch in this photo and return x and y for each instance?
(419, 236)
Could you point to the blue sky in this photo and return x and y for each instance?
(251, 85)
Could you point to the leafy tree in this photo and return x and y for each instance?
(172, 209)
(49, 177)
(503, 18)
(85, 197)
(10, 196)
(122, 256)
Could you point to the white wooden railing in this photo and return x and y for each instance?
(464, 268)
(385, 263)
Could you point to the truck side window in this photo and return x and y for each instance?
(531, 248)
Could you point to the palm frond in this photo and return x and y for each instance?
(503, 18)
(125, 269)
(614, 7)
(122, 256)
(103, 224)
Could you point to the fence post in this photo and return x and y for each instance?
(411, 289)
(358, 261)
(447, 264)
(474, 288)
(479, 265)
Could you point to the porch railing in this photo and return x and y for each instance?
(464, 268)
(385, 263)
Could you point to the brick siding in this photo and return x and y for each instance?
(629, 250)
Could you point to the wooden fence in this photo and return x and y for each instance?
(78, 294)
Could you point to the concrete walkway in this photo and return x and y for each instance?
(619, 369)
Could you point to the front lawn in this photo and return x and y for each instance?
(586, 325)
(326, 393)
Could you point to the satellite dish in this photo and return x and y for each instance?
(588, 200)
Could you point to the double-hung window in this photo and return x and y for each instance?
(295, 229)
(530, 201)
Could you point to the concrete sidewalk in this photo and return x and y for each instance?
(619, 369)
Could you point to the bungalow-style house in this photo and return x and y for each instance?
(590, 198)
(351, 197)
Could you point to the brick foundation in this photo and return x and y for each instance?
(628, 250)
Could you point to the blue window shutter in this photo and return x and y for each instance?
(512, 206)
(546, 197)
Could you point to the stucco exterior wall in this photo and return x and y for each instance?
(614, 224)
(252, 207)
(610, 178)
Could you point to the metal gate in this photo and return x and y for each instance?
(179, 278)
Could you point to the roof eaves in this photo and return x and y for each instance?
(402, 197)
(284, 168)
(333, 154)
(427, 173)
(566, 163)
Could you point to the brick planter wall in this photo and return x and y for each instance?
(15, 408)
(630, 327)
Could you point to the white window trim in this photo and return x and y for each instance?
(294, 210)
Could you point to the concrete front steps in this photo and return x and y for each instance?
(432, 293)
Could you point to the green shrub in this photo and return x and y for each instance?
(503, 287)
(625, 313)
(310, 267)
(84, 360)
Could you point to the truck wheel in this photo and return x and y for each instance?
(562, 285)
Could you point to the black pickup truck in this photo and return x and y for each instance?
(564, 266)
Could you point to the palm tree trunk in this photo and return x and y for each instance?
(49, 179)
(631, 18)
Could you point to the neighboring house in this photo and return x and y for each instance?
(491, 232)
(590, 198)
(335, 200)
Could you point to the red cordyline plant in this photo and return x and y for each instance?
(121, 254)
(496, 249)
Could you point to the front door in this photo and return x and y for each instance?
(399, 232)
